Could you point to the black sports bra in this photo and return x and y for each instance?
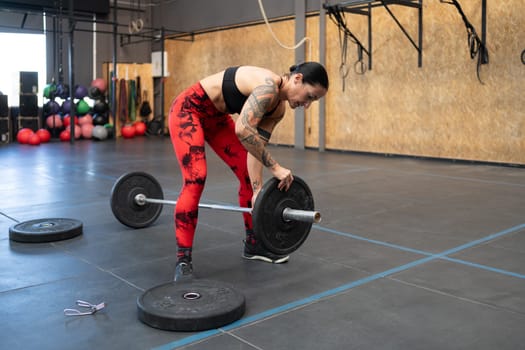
(233, 98)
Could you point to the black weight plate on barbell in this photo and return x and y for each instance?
(193, 305)
(45, 230)
(123, 204)
(278, 235)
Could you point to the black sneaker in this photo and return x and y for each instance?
(183, 271)
(258, 252)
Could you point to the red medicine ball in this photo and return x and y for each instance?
(140, 128)
(128, 131)
(34, 139)
(65, 135)
(67, 120)
(23, 135)
(44, 135)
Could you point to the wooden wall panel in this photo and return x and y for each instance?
(439, 110)
(213, 52)
(311, 114)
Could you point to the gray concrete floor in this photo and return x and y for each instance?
(411, 254)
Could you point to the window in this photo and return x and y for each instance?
(21, 53)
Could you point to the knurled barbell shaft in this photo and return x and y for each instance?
(288, 214)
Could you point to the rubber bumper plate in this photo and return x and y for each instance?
(194, 305)
(45, 230)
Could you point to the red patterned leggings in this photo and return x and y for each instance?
(193, 119)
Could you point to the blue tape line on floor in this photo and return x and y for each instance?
(442, 255)
(485, 267)
(385, 244)
(269, 313)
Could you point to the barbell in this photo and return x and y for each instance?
(288, 214)
(282, 220)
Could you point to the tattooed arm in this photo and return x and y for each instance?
(261, 100)
(255, 170)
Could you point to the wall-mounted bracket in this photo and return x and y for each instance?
(364, 7)
(154, 35)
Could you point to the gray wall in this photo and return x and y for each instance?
(85, 51)
(180, 15)
(202, 15)
(21, 21)
(59, 57)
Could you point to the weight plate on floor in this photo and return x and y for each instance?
(45, 230)
(281, 236)
(123, 203)
(194, 305)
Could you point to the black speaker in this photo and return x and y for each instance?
(29, 105)
(4, 109)
(28, 82)
(5, 133)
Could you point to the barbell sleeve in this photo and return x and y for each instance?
(288, 214)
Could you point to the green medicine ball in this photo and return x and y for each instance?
(82, 107)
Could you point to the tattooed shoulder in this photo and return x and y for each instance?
(262, 98)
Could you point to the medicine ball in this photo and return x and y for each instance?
(128, 131)
(82, 107)
(87, 130)
(99, 132)
(86, 119)
(78, 131)
(67, 120)
(54, 121)
(100, 84)
(140, 128)
(44, 135)
(80, 91)
(62, 91)
(34, 139)
(109, 128)
(65, 135)
(99, 119)
(100, 107)
(66, 106)
(51, 107)
(50, 91)
(23, 135)
(94, 92)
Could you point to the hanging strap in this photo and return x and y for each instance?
(132, 98)
(139, 89)
(123, 102)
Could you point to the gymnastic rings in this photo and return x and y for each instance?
(343, 70)
(135, 26)
(360, 67)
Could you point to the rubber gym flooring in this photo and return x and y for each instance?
(410, 254)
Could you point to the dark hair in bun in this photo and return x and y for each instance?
(313, 73)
